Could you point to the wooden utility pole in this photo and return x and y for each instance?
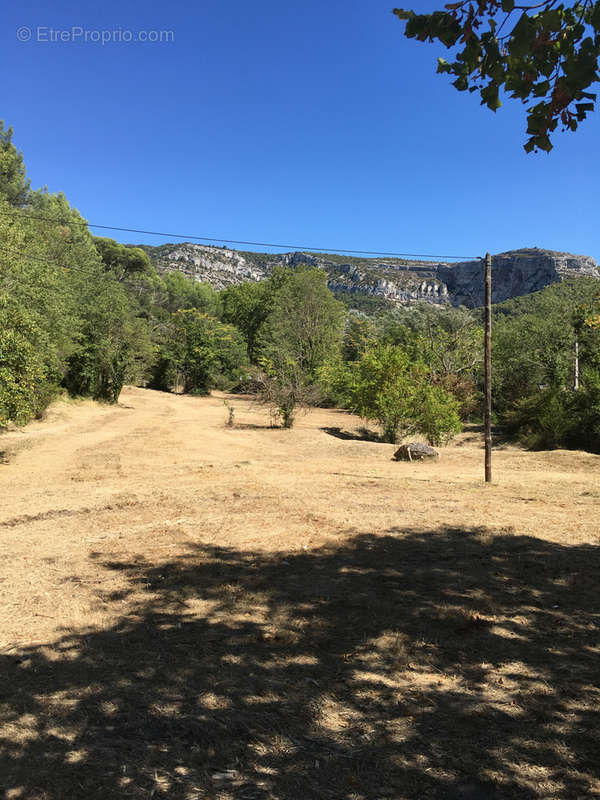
(488, 368)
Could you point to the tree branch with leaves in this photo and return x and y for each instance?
(544, 54)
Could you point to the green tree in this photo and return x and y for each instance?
(113, 347)
(384, 387)
(247, 306)
(107, 345)
(24, 386)
(303, 332)
(586, 401)
(38, 319)
(14, 186)
(64, 319)
(305, 325)
(542, 53)
(122, 260)
(586, 323)
(201, 353)
(534, 343)
(449, 341)
(180, 292)
(543, 420)
(437, 414)
(535, 358)
(359, 332)
(388, 386)
(585, 434)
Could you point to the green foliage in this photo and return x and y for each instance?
(359, 333)
(200, 353)
(555, 418)
(336, 381)
(534, 367)
(528, 353)
(384, 388)
(37, 312)
(388, 386)
(448, 341)
(14, 186)
(301, 333)
(437, 414)
(123, 261)
(90, 314)
(305, 325)
(247, 306)
(565, 295)
(179, 292)
(533, 343)
(586, 323)
(107, 345)
(64, 320)
(541, 421)
(113, 346)
(451, 344)
(543, 54)
(24, 386)
(585, 433)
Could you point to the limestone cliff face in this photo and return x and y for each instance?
(514, 273)
(215, 265)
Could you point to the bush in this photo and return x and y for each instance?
(556, 418)
(386, 385)
(384, 388)
(585, 432)
(437, 415)
(543, 421)
(284, 391)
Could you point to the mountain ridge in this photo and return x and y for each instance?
(399, 281)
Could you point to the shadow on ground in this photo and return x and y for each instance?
(251, 426)
(445, 664)
(360, 435)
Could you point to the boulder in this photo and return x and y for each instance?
(415, 451)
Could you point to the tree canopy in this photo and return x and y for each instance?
(14, 185)
(122, 260)
(543, 53)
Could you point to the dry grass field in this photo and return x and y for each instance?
(194, 611)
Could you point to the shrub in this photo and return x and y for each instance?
(437, 414)
(385, 388)
(284, 391)
(542, 421)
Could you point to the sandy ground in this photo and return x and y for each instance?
(415, 582)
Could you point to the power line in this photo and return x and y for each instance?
(186, 236)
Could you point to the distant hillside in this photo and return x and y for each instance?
(383, 280)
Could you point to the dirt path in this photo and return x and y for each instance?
(110, 516)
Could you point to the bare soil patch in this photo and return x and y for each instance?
(189, 610)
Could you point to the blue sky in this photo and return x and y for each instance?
(309, 123)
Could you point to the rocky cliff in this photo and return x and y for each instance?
(514, 273)
(398, 281)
